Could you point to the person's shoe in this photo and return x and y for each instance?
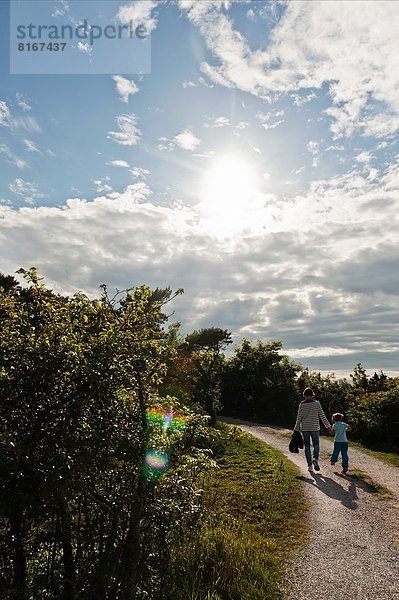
(344, 471)
(310, 469)
(332, 463)
(316, 465)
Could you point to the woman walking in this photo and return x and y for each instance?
(308, 423)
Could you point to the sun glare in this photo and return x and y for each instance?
(230, 193)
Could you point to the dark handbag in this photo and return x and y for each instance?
(296, 442)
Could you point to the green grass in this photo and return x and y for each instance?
(255, 518)
(390, 458)
(371, 485)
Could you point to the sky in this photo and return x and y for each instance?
(255, 164)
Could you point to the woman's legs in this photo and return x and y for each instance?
(306, 441)
(316, 444)
(314, 435)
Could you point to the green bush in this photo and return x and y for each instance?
(374, 418)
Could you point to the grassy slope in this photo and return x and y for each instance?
(390, 458)
(255, 518)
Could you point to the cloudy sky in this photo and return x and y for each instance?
(256, 166)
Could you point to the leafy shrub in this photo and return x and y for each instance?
(374, 418)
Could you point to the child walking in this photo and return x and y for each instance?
(340, 441)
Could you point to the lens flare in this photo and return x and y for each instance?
(154, 464)
(162, 424)
(165, 419)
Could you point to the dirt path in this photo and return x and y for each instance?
(353, 548)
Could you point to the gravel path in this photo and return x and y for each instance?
(353, 548)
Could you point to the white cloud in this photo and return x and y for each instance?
(5, 114)
(205, 83)
(364, 157)
(20, 163)
(12, 158)
(84, 47)
(216, 122)
(26, 122)
(128, 134)
(265, 118)
(139, 13)
(198, 10)
(119, 163)
(102, 187)
(300, 170)
(256, 149)
(303, 353)
(164, 147)
(313, 147)
(339, 148)
(351, 46)
(251, 15)
(208, 154)
(73, 233)
(60, 9)
(140, 173)
(23, 102)
(187, 140)
(31, 146)
(125, 87)
(242, 125)
(329, 284)
(300, 100)
(25, 190)
(272, 125)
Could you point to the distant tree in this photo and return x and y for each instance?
(205, 347)
(8, 283)
(258, 382)
(359, 377)
(378, 382)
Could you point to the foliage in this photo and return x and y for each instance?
(258, 382)
(77, 377)
(332, 393)
(359, 377)
(204, 349)
(178, 380)
(374, 417)
(253, 510)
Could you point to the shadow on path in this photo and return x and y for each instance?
(334, 490)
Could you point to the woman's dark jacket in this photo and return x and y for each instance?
(296, 442)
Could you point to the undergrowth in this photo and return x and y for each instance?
(253, 519)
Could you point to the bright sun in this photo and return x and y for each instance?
(229, 194)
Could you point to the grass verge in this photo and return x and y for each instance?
(371, 485)
(254, 519)
(391, 458)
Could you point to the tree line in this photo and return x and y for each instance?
(259, 382)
